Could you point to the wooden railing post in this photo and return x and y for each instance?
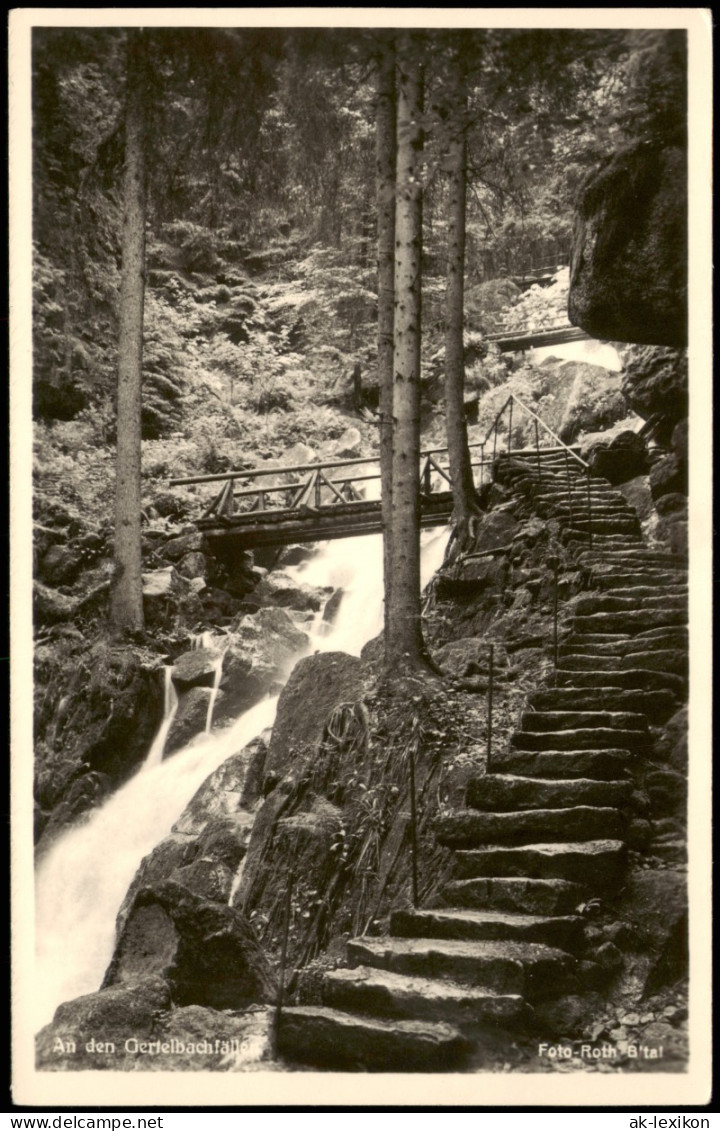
(556, 567)
(589, 509)
(569, 486)
(510, 428)
(491, 673)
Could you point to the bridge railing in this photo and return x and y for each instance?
(314, 486)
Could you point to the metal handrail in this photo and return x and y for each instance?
(513, 399)
(550, 432)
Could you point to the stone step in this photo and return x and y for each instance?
(634, 559)
(598, 637)
(612, 603)
(604, 508)
(323, 1037)
(630, 619)
(367, 990)
(594, 861)
(643, 679)
(652, 592)
(678, 635)
(501, 793)
(600, 525)
(469, 828)
(600, 765)
(557, 490)
(564, 931)
(531, 969)
(652, 704)
(667, 638)
(578, 541)
(640, 578)
(579, 647)
(575, 720)
(658, 659)
(588, 660)
(515, 893)
(588, 738)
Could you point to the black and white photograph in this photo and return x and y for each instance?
(361, 430)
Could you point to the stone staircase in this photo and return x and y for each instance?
(546, 828)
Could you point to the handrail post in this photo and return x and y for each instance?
(510, 427)
(413, 826)
(537, 451)
(283, 950)
(491, 673)
(589, 508)
(318, 490)
(556, 566)
(482, 462)
(569, 486)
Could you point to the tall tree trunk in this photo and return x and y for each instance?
(127, 603)
(404, 646)
(385, 113)
(465, 510)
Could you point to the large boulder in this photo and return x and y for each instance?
(260, 652)
(623, 459)
(628, 275)
(110, 1015)
(655, 384)
(206, 951)
(595, 400)
(317, 686)
(281, 590)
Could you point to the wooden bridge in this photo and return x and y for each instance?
(314, 502)
(327, 499)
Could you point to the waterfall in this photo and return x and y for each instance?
(82, 881)
(589, 350)
(169, 708)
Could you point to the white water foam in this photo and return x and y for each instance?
(82, 881)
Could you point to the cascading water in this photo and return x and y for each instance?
(170, 707)
(589, 350)
(82, 881)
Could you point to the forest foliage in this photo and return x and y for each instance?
(262, 154)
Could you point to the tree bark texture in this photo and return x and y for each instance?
(464, 508)
(404, 645)
(127, 602)
(385, 187)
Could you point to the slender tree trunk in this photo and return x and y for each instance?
(404, 645)
(464, 506)
(127, 604)
(385, 114)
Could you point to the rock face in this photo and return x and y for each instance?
(206, 951)
(595, 400)
(326, 680)
(655, 383)
(628, 275)
(259, 653)
(624, 458)
(141, 1030)
(99, 711)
